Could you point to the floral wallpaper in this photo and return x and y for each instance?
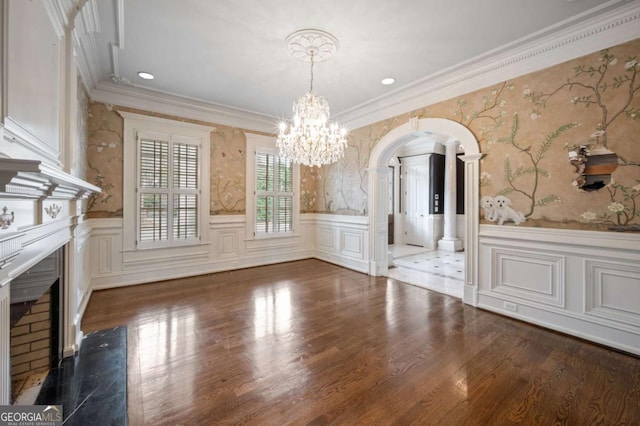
(528, 128)
(104, 162)
(540, 135)
(228, 169)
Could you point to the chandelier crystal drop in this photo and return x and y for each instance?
(311, 139)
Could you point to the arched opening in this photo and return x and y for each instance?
(382, 153)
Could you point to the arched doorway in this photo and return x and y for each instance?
(378, 184)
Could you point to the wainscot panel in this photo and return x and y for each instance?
(583, 283)
(608, 288)
(227, 250)
(341, 239)
(338, 239)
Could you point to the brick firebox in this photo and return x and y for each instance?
(31, 340)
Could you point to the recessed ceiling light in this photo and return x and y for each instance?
(145, 75)
(387, 81)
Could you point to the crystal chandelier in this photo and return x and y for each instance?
(311, 139)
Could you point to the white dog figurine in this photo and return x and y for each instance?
(489, 208)
(503, 212)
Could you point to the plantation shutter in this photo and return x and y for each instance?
(274, 194)
(185, 191)
(153, 190)
(168, 190)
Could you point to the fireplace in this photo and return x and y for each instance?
(35, 321)
(44, 208)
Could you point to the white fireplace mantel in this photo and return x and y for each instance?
(35, 179)
(42, 210)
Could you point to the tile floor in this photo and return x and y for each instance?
(431, 269)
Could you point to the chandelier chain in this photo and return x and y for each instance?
(311, 87)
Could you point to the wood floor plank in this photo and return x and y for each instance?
(311, 343)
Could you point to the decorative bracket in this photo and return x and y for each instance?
(33, 179)
(6, 219)
(53, 210)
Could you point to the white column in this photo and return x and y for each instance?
(378, 246)
(450, 242)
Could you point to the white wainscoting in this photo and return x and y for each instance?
(584, 283)
(227, 249)
(78, 284)
(343, 240)
(338, 239)
(579, 282)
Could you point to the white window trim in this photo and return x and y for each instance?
(266, 143)
(134, 123)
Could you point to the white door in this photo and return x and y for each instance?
(416, 199)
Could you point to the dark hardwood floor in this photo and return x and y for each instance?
(310, 342)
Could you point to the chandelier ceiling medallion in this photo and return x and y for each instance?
(311, 139)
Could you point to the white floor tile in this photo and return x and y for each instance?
(431, 269)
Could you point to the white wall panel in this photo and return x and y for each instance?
(228, 244)
(613, 291)
(528, 274)
(326, 239)
(105, 258)
(34, 81)
(352, 243)
(584, 283)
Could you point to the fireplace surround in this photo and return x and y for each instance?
(50, 244)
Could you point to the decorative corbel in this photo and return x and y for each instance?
(53, 210)
(6, 219)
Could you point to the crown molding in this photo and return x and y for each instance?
(58, 14)
(544, 49)
(86, 26)
(560, 43)
(170, 104)
(82, 17)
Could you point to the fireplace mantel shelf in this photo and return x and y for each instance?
(34, 179)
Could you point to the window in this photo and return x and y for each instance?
(272, 188)
(168, 203)
(168, 189)
(274, 194)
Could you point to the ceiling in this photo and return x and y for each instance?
(231, 52)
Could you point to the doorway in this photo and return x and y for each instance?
(415, 190)
(383, 152)
(414, 257)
